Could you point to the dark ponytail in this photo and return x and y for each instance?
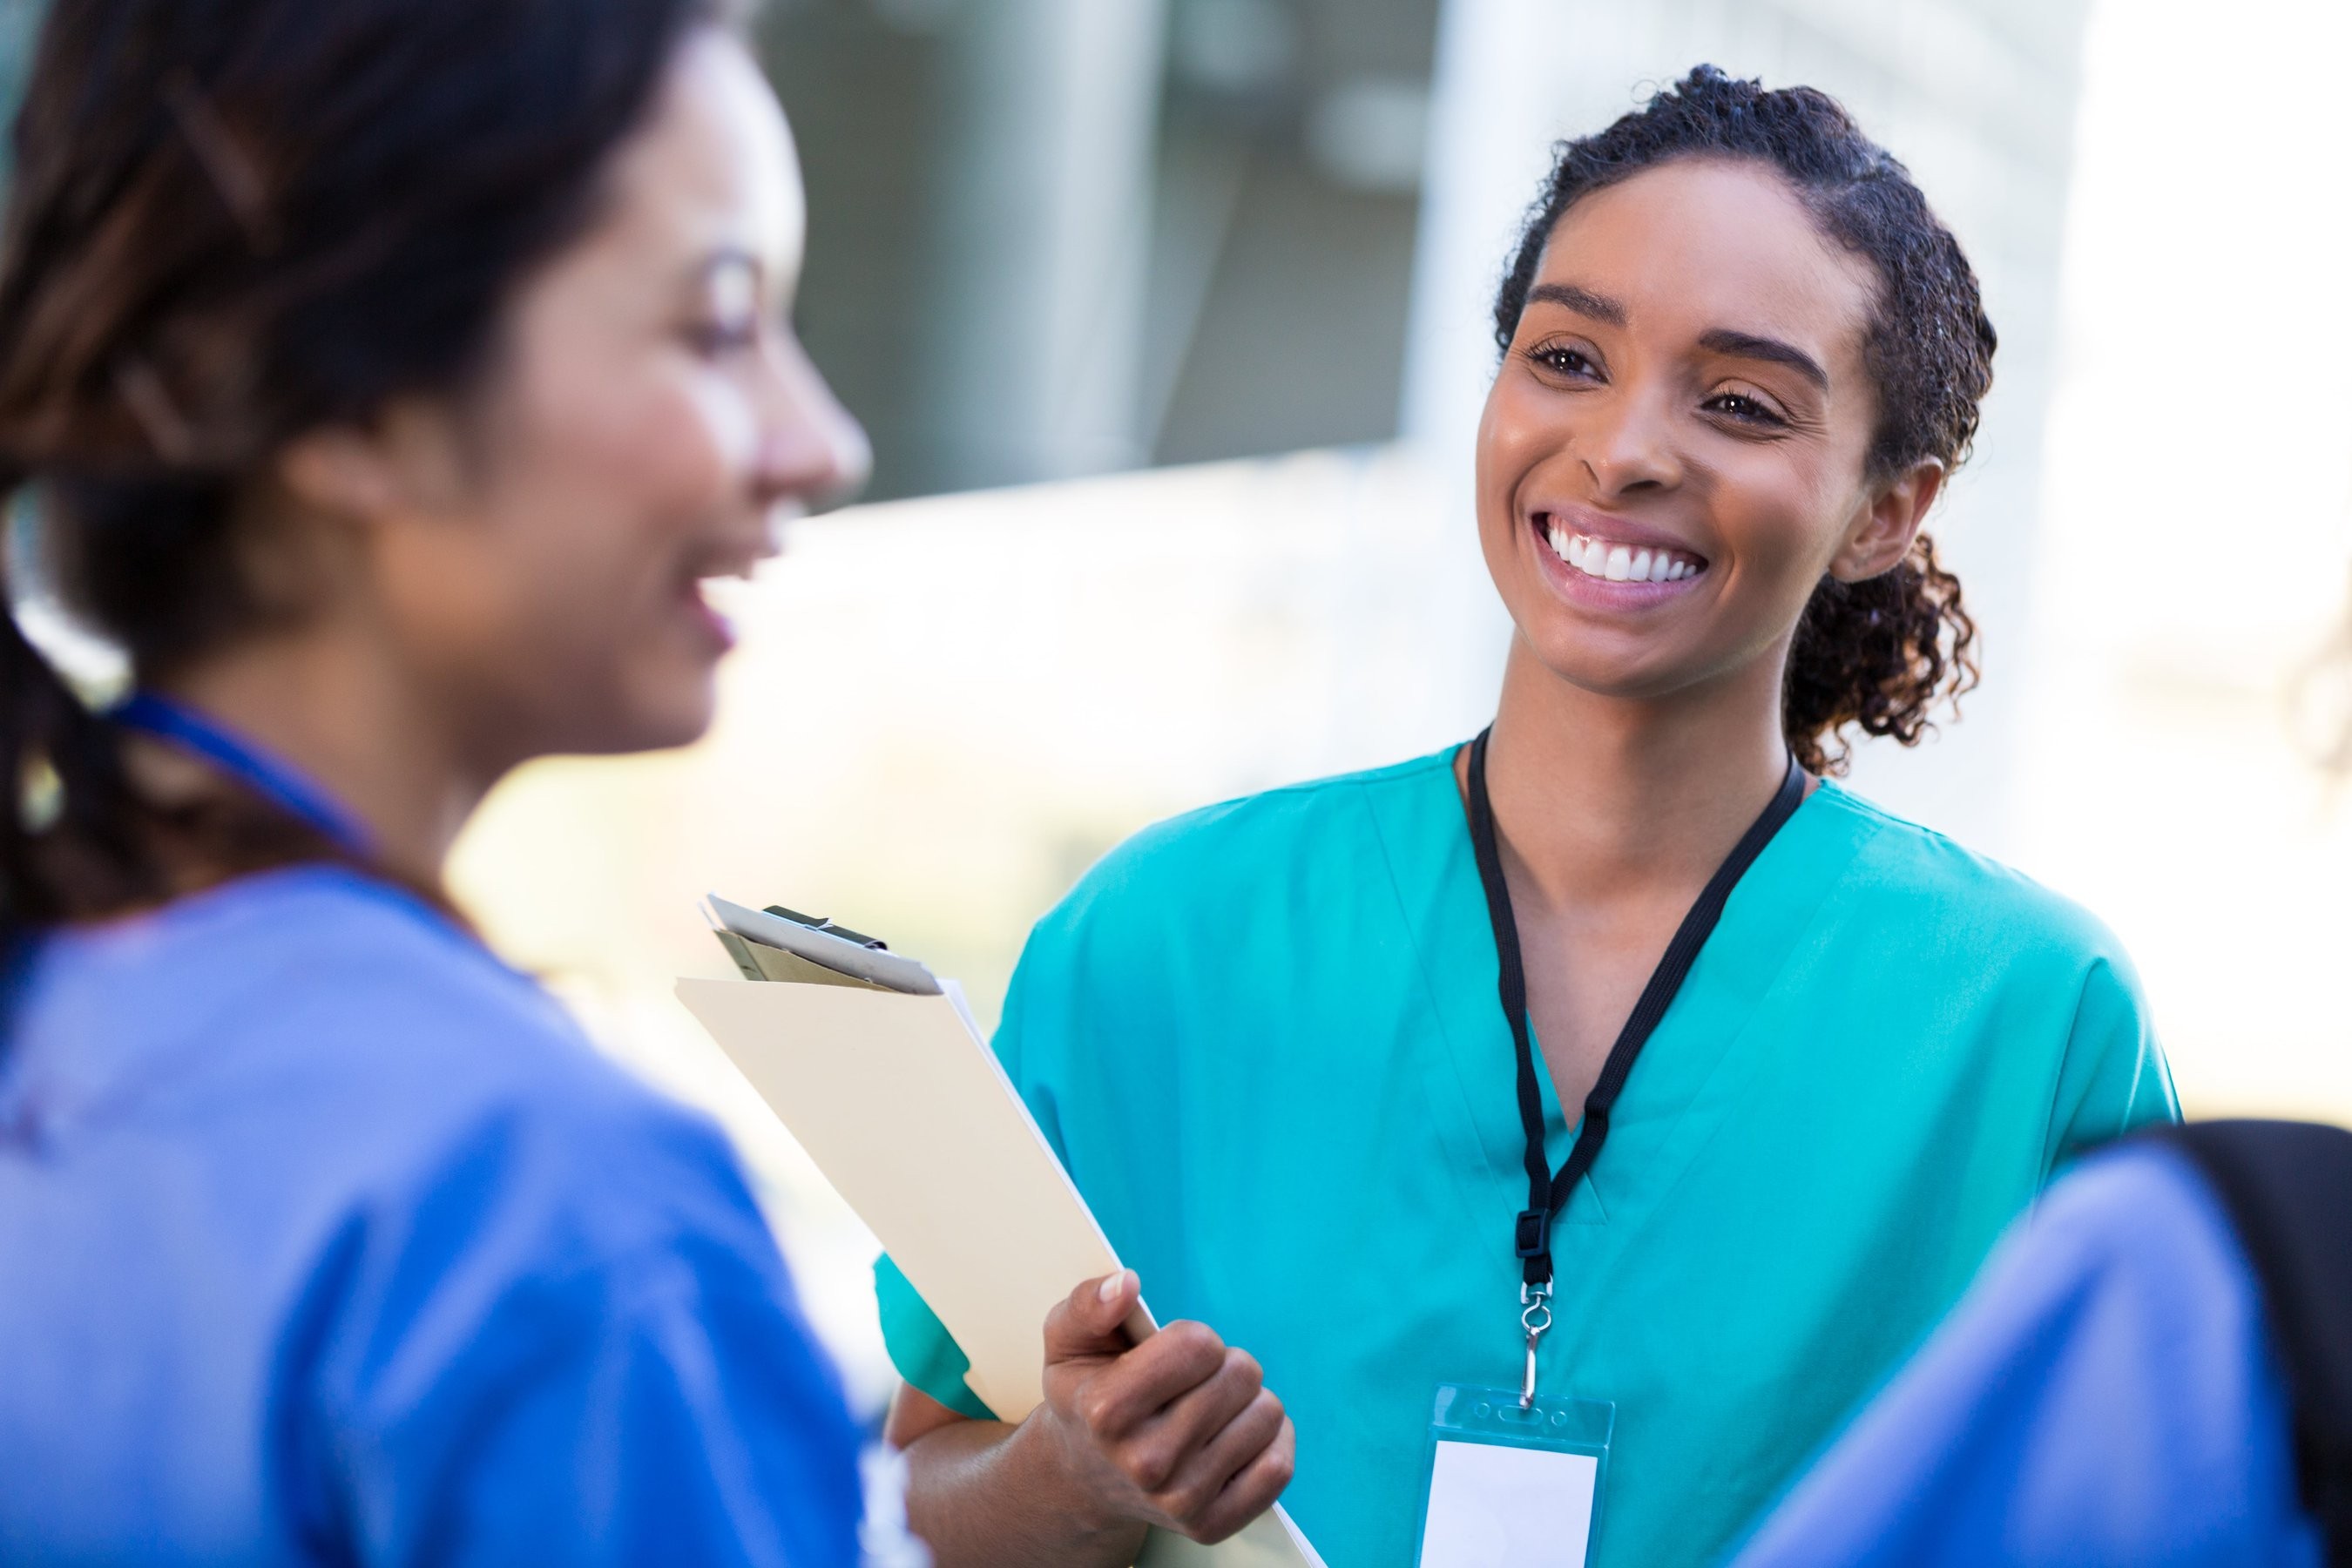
(232, 222)
(1877, 654)
(70, 837)
(1880, 655)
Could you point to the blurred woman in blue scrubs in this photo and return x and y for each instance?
(1616, 1056)
(2156, 1368)
(386, 377)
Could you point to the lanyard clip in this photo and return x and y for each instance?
(1534, 1317)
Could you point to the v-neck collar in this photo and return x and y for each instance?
(1667, 1112)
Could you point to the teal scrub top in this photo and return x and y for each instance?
(1264, 1039)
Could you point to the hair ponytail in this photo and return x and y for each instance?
(83, 840)
(1880, 654)
(70, 839)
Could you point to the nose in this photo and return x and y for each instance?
(1628, 447)
(812, 451)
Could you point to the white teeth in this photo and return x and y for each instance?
(1617, 563)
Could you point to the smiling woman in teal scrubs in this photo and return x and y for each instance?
(1274, 1041)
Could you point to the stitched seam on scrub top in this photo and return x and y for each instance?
(1421, 962)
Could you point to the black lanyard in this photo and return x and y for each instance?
(1548, 1192)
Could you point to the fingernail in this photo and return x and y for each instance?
(1112, 1285)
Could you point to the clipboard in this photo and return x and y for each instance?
(902, 1105)
(817, 944)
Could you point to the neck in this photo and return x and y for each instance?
(359, 727)
(1602, 799)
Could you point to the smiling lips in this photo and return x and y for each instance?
(1617, 563)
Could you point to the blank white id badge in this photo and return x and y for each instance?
(1513, 1487)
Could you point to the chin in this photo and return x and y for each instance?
(682, 722)
(648, 719)
(1635, 674)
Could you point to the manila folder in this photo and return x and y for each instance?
(905, 1110)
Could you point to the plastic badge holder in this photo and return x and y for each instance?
(1512, 1487)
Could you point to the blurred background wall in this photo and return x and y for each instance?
(1071, 237)
(1170, 321)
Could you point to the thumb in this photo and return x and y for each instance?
(1088, 1323)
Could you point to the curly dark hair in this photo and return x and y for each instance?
(1879, 654)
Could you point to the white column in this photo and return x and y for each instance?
(1037, 304)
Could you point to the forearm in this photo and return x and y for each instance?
(985, 1495)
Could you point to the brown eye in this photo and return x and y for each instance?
(1560, 360)
(716, 337)
(1747, 410)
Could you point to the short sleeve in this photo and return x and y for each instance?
(925, 1354)
(2112, 1079)
(579, 1344)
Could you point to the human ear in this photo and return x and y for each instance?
(402, 461)
(1883, 529)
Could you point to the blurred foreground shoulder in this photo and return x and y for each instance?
(564, 1276)
(492, 1299)
(1191, 873)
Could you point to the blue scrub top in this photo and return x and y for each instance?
(328, 1238)
(2106, 1394)
(1264, 1038)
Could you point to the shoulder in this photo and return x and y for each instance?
(1213, 913)
(315, 947)
(1983, 945)
(2126, 1263)
(2140, 1204)
(1223, 857)
(1914, 882)
(1290, 823)
(2119, 1320)
(500, 1092)
(348, 1035)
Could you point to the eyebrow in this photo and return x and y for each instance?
(1749, 346)
(1717, 340)
(1583, 301)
